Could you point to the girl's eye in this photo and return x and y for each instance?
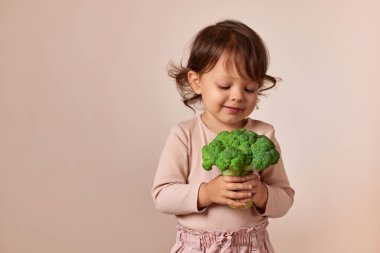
(224, 87)
(250, 90)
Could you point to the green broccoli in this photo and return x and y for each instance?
(239, 152)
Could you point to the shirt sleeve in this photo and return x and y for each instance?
(280, 194)
(171, 192)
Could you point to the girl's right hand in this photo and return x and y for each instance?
(225, 190)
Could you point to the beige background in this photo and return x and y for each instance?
(85, 108)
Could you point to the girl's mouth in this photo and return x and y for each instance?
(233, 110)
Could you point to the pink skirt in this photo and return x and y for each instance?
(254, 239)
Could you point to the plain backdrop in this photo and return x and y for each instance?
(86, 106)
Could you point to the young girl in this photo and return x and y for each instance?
(226, 72)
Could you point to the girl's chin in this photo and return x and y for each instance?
(235, 124)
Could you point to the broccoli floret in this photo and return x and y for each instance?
(239, 152)
(210, 153)
(230, 158)
(264, 153)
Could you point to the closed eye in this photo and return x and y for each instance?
(250, 90)
(224, 87)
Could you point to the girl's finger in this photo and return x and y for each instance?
(232, 179)
(253, 183)
(255, 172)
(239, 186)
(249, 177)
(237, 195)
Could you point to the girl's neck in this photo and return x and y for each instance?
(217, 128)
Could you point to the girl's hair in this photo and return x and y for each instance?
(242, 46)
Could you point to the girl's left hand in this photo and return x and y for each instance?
(259, 190)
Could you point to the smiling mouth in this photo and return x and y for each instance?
(232, 109)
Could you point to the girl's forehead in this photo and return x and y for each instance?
(229, 66)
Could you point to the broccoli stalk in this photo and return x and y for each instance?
(239, 152)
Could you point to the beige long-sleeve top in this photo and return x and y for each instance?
(180, 174)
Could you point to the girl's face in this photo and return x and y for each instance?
(228, 98)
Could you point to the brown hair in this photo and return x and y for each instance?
(242, 45)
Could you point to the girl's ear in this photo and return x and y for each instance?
(194, 81)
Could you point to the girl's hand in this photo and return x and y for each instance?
(225, 190)
(259, 190)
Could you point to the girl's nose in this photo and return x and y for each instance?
(237, 95)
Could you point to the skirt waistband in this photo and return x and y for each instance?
(253, 237)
